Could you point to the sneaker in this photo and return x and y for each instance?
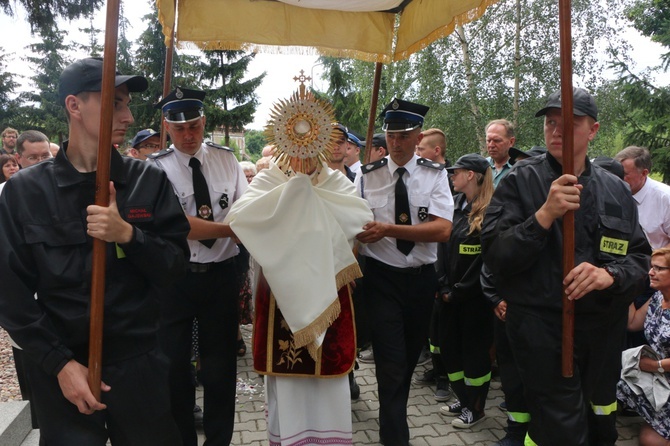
(425, 379)
(366, 357)
(503, 406)
(443, 395)
(425, 357)
(467, 419)
(443, 392)
(508, 441)
(452, 410)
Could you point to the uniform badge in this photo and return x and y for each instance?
(223, 201)
(404, 218)
(423, 213)
(205, 212)
(395, 105)
(178, 93)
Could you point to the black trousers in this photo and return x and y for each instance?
(399, 306)
(560, 408)
(211, 297)
(137, 414)
(512, 386)
(466, 337)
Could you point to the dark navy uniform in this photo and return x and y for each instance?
(44, 249)
(400, 289)
(209, 293)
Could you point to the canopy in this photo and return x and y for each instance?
(372, 30)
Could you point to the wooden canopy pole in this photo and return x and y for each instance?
(565, 25)
(102, 196)
(373, 112)
(167, 80)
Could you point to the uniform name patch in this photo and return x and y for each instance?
(470, 249)
(141, 213)
(614, 246)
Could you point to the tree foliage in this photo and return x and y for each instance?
(231, 100)
(42, 14)
(254, 141)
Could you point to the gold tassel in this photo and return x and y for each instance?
(309, 334)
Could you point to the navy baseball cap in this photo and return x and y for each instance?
(583, 103)
(402, 116)
(355, 139)
(142, 136)
(471, 161)
(518, 155)
(378, 140)
(182, 105)
(86, 75)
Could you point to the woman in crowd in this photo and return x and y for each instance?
(466, 319)
(654, 318)
(8, 167)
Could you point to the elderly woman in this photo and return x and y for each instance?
(654, 318)
(466, 319)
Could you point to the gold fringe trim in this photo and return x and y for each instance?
(307, 336)
(348, 275)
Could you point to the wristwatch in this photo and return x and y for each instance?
(612, 272)
(660, 368)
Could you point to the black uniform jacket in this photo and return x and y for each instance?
(461, 263)
(526, 259)
(44, 249)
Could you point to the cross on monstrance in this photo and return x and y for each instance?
(302, 79)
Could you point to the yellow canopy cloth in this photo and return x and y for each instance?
(302, 235)
(350, 29)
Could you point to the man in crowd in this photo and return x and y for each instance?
(32, 147)
(145, 143)
(652, 197)
(353, 156)
(433, 147)
(207, 179)
(499, 139)
(338, 152)
(400, 249)
(9, 137)
(522, 242)
(48, 221)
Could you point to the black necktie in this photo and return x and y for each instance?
(402, 215)
(203, 205)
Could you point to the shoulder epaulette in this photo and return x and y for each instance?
(367, 168)
(160, 154)
(428, 163)
(218, 146)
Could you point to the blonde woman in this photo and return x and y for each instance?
(466, 319)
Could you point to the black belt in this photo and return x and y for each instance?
(414, 271)
(207, 267)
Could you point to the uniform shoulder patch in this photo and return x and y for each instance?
(428, 163)
(218, 146)
(160, 154)
(367, 168)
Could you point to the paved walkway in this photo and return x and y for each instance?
(427, 426)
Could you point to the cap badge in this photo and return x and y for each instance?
(178, 93)
(204, 212)
(395, 105)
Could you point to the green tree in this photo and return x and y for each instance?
(231, 100)
(43, 14)
(41, 107)
(254, 140)
(149, 60)
(7, 86)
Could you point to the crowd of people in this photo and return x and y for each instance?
(326, 255)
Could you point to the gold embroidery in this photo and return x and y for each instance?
(290, 355)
